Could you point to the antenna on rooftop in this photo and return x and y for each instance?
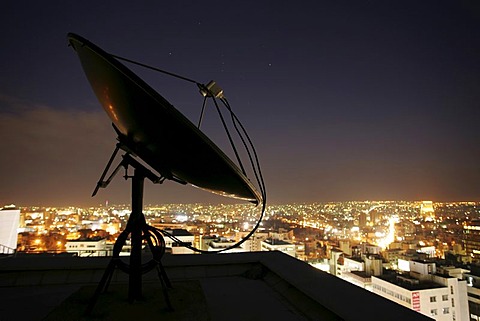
(150, 129)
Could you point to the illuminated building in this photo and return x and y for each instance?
(205, 241)
(473, 289)
(222, 243)
(471, 239)
(353, 264)
(336, 262)
(272, 244)
(184, 236)
(281, 234)
(345, 247)
(9, 223)
(88, 247)
(300, 251)
(373, 265)
(358, 270)
(254, 242)
(433, 292)
(366, 248)
(428, 250)
(426, 210)
(359, 278)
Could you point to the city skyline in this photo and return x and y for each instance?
(354, 101)
(383, 224)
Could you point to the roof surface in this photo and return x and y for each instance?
(237, 286)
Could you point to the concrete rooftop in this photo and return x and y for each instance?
(237, 286)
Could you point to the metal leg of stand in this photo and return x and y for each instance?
(158, 250)
(163, 282)
(105, 289)
(108, 274)
(164, 275)
(102, 286)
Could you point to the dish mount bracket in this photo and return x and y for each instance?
(139, 231)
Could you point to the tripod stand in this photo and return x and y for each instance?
(138, 230)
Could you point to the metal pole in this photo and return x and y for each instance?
(136, 220)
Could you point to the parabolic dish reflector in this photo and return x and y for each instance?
(150, 127)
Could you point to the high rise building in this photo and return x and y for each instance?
(9, 223)
(433, 292)
(473, 289)
(471, 239)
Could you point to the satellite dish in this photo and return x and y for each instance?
(151, 128)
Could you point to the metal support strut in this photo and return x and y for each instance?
(139, 231)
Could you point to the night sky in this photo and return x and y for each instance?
(344, 100)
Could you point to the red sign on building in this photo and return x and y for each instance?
(416, 301)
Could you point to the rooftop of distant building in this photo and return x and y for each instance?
(409, 283)
(276, 242)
